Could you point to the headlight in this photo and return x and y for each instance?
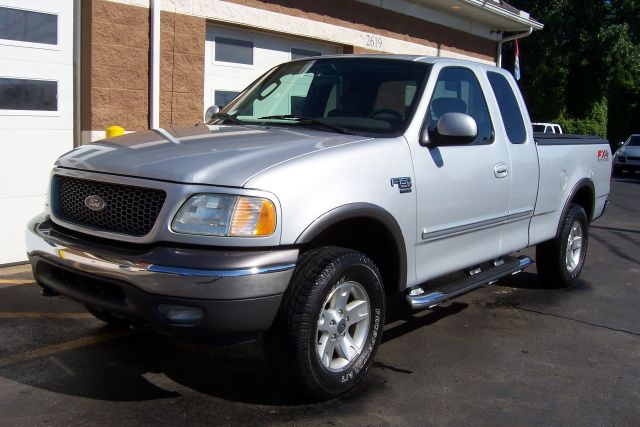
(226, 215)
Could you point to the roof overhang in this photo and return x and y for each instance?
(488, 18)
(497, 14)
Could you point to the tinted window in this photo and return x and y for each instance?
(538, 128)
(509, 109)
(458, 91)
(233, 50)
(23, 94)
(303, 53)
(27, 26)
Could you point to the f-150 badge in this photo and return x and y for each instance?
(403, 183)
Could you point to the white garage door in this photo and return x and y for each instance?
(235, 57)
(36, 109)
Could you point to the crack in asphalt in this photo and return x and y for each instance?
(584, 322)
(392, 368)
(622, 230)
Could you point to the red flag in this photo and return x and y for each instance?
(516, 67)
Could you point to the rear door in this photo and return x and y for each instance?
(36, 109)
(462, 190)
(514, 128)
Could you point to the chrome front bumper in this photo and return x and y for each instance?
(133, 282)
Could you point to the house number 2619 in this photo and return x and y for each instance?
(374, 41)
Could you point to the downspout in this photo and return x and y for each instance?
(508, 39)
(77, 79)
(154, 93)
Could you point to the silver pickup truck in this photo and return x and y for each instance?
(326, 186)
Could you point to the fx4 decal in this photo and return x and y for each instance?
(603, 155)
(403, 183)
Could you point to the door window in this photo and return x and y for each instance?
(234, 51)
(458, 91)
(26, 94)
(303, 53)
(26, 26)
(223, 97)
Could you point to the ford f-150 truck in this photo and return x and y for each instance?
(326, 186)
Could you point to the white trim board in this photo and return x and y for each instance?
(231, 13)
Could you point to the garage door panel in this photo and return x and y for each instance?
(16, 215)
(62, 117)
(223, 77)
(36, 109)
(27, 164)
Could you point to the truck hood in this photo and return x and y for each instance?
(201, 154)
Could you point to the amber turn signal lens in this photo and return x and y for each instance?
(253, 216)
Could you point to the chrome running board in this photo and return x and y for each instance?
(419, 298)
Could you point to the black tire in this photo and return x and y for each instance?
(552, 262)
(293, 342)
(109, 318)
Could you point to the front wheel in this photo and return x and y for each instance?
(330, 323)
(560, 261)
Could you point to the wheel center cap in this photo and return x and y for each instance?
(342, 326)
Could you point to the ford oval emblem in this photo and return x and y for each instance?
(95, 203)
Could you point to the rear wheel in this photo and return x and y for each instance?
(330, 323)
(560, 261)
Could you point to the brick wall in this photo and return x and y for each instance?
(115, 68)
(181, 69)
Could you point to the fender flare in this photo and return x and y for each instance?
(584, 182)
(361, 210)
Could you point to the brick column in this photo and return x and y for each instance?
(115, 68)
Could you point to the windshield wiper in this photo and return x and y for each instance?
(226, 116)
(307, 119)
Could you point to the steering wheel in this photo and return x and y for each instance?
(387, 111)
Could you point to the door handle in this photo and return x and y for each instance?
(501, 170)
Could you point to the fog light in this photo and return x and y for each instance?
(181, 314)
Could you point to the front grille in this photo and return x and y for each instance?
(633, 158)
(127, 210)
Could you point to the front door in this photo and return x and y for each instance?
(462, 190)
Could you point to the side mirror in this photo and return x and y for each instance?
(620, 144)
(451, 129)
(211, 111)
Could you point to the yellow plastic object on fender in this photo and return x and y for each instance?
(113, 131)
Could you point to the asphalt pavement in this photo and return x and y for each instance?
(515, 353)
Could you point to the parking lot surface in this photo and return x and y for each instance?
(515, 353)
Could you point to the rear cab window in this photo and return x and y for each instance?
(509, 108)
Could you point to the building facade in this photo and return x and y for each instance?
(71, 68)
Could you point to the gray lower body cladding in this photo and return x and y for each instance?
(238, 292)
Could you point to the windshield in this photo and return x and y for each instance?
(356, 95)
(633, 141)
